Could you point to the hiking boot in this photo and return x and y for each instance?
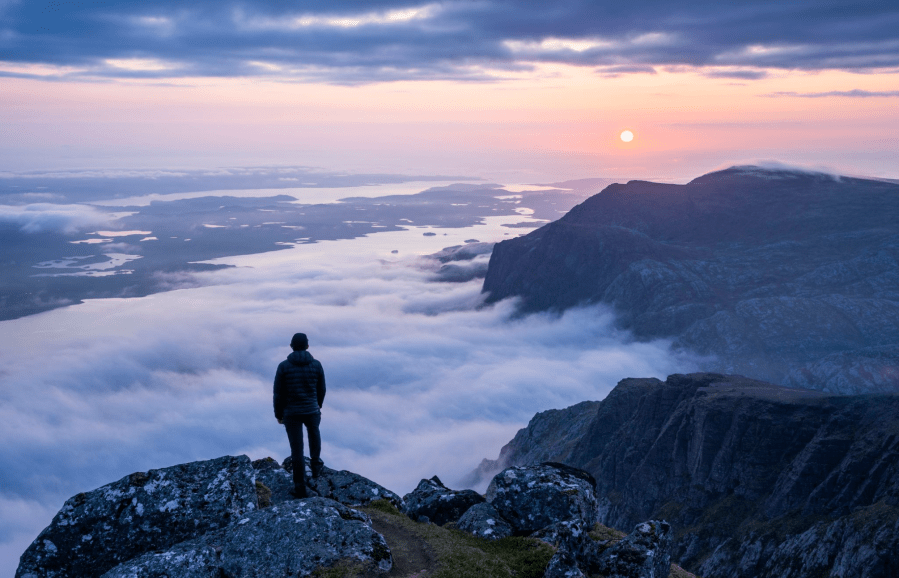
(298, 494)
(317, 469)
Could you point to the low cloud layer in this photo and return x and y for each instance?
(387, 40)
(47, 217)
(421, 381)
(856, 93)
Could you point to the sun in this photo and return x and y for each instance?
(627, 136)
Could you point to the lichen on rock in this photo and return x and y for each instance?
(439, 504)
(534, 497)
(290, 539)
(144, 511)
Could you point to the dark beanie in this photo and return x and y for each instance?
(299, 341)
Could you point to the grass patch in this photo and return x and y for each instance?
(385, 506)
(601, 533)
(468, 555)
(445, 552)
(458, 554)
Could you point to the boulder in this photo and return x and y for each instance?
(562, 565)
(142, 512)
(484, 521)
(644, 553)
(572, 538)
(533, 497)
(290, 539)
(439, 504)
(343, 486)
(277, 479)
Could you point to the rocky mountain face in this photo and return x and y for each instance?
(755, 479)
(779, 275)
(233, 517)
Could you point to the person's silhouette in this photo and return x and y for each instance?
(299, 393)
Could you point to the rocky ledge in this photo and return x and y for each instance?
(779, 275)
(756, 480)
(233, 517)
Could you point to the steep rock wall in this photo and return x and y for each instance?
(756, 479)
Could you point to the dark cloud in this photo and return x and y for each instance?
(461, 40)
(613, 71)
(839, 93)
(739, 74)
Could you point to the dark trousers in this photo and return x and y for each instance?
(294, 426)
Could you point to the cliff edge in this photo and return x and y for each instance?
(756, 479)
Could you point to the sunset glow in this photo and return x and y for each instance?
(534, 111)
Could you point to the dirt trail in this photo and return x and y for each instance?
(412, 556)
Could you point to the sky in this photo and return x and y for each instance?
(487, 88)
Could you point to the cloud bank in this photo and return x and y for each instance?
(420, 380)
(386, 40)
(48, 217)
(856, 93)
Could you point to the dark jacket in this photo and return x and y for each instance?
(299, 385)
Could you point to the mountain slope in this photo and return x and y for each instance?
(784, 276)
(756, 479)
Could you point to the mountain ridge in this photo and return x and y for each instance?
(783, 276)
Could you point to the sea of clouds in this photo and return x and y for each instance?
(422, 379)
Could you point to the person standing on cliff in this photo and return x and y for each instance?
(298, 397)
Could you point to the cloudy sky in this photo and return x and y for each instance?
(476, 87)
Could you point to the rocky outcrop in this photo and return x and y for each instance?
(484, 521)
(433, 502)
(232, 517)
(222, 517)
(645, 552)
(534, 497)
(142, 512)
(343, 486)
(556, 503)
(755, 479)
(779, 275)
(291, 539)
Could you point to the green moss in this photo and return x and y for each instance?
(385, 506)
(263, 495)
(601, 533)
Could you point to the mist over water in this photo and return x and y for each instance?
(422, 380)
